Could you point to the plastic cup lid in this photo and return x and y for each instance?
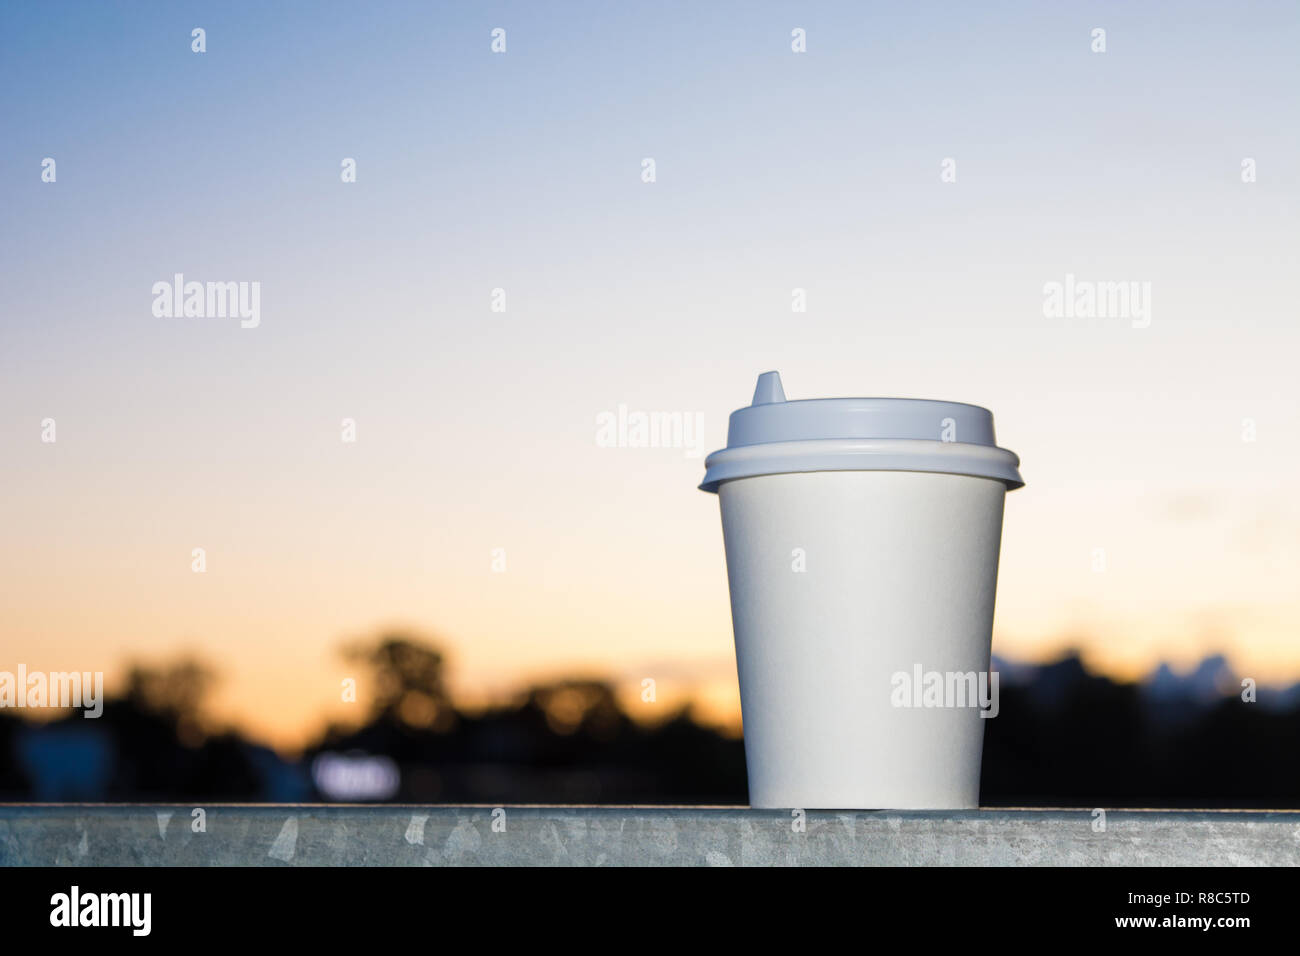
(774, 436)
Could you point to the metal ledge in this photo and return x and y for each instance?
(355, 835)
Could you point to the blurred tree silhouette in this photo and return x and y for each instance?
(567, 741)
(573, 705)
(407, 683)
(174, 693)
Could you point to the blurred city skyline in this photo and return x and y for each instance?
(1158, 522)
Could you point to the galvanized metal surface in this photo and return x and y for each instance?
(314, 835)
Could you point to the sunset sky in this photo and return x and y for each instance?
(1171, 448)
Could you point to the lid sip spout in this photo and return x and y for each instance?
(768, 391)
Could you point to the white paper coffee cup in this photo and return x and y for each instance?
(862, 549)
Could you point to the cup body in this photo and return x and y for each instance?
(850, 592)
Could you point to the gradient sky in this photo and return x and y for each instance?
(476, 429)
